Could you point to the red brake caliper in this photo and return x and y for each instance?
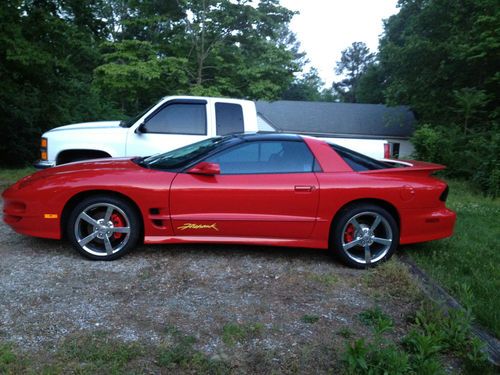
(117, 222)
(349, 234)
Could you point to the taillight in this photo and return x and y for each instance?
(444, 194)
(43, 149)
(387, 151)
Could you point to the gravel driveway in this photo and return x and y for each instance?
(298, 298)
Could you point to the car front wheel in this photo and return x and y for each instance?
(103, 227)
(365, 235)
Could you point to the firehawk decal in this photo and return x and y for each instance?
(198, 226)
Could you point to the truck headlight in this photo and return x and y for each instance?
(43, 148)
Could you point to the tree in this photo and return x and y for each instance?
(371, 85)
(305, 87)
(441, 58)
(64, 61)
(469, 101)
(353, 63)
(46, 64)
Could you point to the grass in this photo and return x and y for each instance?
(233, 333)
(309, 319)
(9, 176)
(393, 280)
(97, 353)
(325, 279)
(433, 335)
(467, 264)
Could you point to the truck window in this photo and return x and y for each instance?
(229, 118)
(179, 118)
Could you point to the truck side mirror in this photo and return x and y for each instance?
(141, 129)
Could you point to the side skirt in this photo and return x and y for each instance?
(315, 244)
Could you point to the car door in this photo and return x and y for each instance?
(266, 189)
(175, 124)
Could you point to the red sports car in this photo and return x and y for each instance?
(265, 189)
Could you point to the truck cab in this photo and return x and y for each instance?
(173, 122)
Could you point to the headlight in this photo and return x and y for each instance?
(44, 144)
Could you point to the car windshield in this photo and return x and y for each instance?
(132, 120)
(183, 156)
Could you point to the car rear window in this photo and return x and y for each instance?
(359, 162)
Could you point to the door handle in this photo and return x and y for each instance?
(304, 188)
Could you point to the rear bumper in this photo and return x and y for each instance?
(421, 225)
(43, 164)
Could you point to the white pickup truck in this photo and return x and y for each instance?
(173, 122)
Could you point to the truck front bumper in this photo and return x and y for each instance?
(43, 164)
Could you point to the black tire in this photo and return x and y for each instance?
(364, 235)
(103, 227)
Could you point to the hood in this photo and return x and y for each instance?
(88, 125)
(81, 168)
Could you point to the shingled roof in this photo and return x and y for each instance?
(339, 119)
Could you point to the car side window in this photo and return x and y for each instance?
(228, 118)
(179, 118)
(265, 157)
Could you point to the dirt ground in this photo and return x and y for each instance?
(302, 304)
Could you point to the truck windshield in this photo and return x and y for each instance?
(183, 156)
(132, 120)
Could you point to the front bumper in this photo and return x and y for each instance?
(26, 215)
(43, 164)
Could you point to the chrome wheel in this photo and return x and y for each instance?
(367, 237)
(102, 229)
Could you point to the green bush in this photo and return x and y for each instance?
(471, 156)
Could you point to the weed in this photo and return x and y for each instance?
(433, 334)
(393, 279)
(310, 319)
(467, 263)
(327, 280)
(8, 359)
(182, 355)
(233, 333)
(378, 320)
(345, 333)
(97, 354)
(373, 358)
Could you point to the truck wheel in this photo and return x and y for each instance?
(364, 235)
(103, 227)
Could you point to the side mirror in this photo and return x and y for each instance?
(140, 129)
(205, 168)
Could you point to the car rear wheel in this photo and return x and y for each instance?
(103, 227)
(364, 235)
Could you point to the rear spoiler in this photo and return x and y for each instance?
(408, 166)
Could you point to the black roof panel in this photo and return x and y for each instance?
(345, 119)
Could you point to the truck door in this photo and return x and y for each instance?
(175, 124)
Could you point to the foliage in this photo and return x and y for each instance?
(378, 320)
(353, 63)
(65, 61)
(433, 333)
(308, 87)
(310, 319)
(441, 58)
(233, 333)
(467, 263)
